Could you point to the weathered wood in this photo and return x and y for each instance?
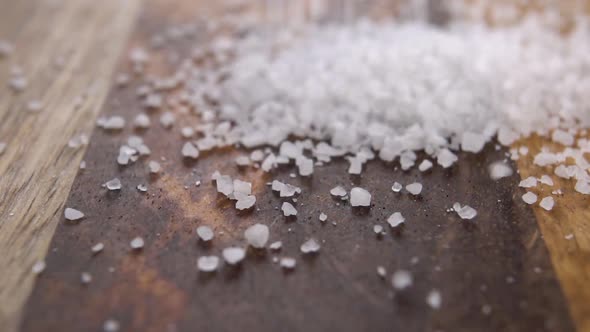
(37, 168)
(569, 217)
(497, 263)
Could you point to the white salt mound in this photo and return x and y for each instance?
(359, 197)
(288, 263)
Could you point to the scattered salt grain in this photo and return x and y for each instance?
(323, 217)
(434, 299)
(243, 161)
(167, 120)
(73, 214)
(276, 245)
(257, 235)
(359, 197)
(85, 278)
(208, 263)
(288, 209)
(529, 182)
(529, 198)
(38, 267)
(338, 191)
(190, 151)
(82, 164)
(499, 170)
(154, 167)
(246, 202)
(425, 165)
(465, 212)
(414, 188)
(205, 233)
(472, 142)
(446, 158)
(401, 279)
(288, 263)
(137, 243)
(583, 187)
(233, 255)
(378, 229)
(225, 185)
(547, 203)
(569, 236)
(310, 246)
(397, 187)
(142, 121)
(97, 248)
(110, 325)
(546, 180)
(142, 187)
(381, 272)
(396, 219)
(114, 184)
(562, 137)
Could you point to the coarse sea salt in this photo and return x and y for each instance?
(205, 233)
(396, 219)
(360, 197)
(465, 212)
(414, 188)
(401, 279)
(233, 255)
(288, 209)
(310, 246)
(529, 198)
(73, 214)
(547, 203)
(257, 235)
(208, 263)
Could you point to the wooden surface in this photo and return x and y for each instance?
(502, 261)
(37, 168)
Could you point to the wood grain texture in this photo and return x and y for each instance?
(569, 217)
(37, 168)
(498, 263)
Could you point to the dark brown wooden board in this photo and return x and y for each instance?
(160, 289)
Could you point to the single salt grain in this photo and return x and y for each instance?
(167, 120)
(257, 235)
(154, 167)
(85, 278)
(396, 219)
(82, 164)
(142, 121)
(233, 255)
(446, 158)
(142, 187)
(529, 182)
(97, 248)
(310, 246)
(378, 229)
(547, 203)
(137, 243)
(338, 191)
(73, 214)
(208, 263)
(205, 233)
(243, 161)
(225, 185)
(401, 279)
(288, 209)
(569, 236)
(546, 179)
(414, 188)
(245, 203)
(465, 212)
(529, 198)
(323, 217)
(425, 165)
(397, 187)
(110, 325)
(187, 132)
(381, 272)
(38, 267)
(583, 187)
(499, 170)
(359, 197)
(276, 245)
(562, 137)
(288, 263)
(190, 151)
(434, 299)
(114, 184)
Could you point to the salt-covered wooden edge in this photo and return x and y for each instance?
(37, 168)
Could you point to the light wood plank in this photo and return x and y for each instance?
(37, 168)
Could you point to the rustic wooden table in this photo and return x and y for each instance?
(512, 270)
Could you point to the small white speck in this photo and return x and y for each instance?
(434, 299)
(97, 248)
(205, 233)
(397, 187)
(401, 279)
(233, 255)
(381, 272)
(323, 217)
(288, 209)
(277, 245)
(190, 151)
(569, 236)
(142, 187)
(38, 267)
(378, 229)
(85, 278)
(310, 246)
(73, 214)
(547, 203)
(137, 243)
(396, 219)
(208, 263)
(114, 184)
(257, 235)
(110, 325)
(288, 263)
(154, 167)
(529, 198)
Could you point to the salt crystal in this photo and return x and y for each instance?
(288, 190)
(276, 245)
(167, 120)
(529, 182)
(338, 191)
(397, 187)
(233, 255)
(208, 263)
(242, 187)
(82, 164)
(142, 121)
(142, 187)
(288, 263)
(472, 142)
(583, 187)
(569, 236)
(434, 299)
(73, 214)
(2, 147)
(288, 209)
(562, 137)
(381, 272)
(243, 161)
(190, 151)
(38, 267)
(205, 233)
(425, 165)
(323, 217)
(465, 212)
(187, 132)
(245, 203)
(97, 248)
(137, 243)
(225, 185)
(310, 246)
(257, 235)
(546, 179)
(529, 198)
(359, 197)
(114, 184)
(113, 123)
(154, 167)
(547, 203)
(396, 219)
(401, 279)
(305, 166)
(85, 278)
(378, 229)
(414, 188)
(499, 170)
(110, 325)
(446, 158)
